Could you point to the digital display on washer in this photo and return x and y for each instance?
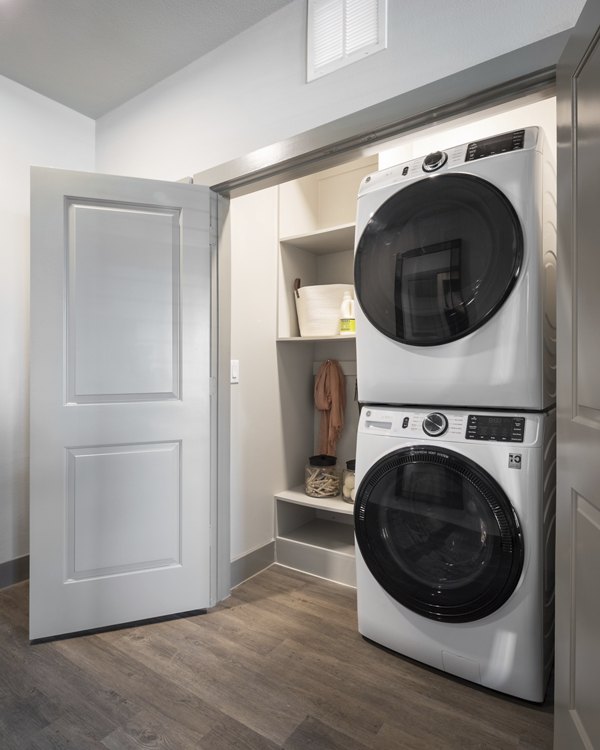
(501, 429)
(497, 145)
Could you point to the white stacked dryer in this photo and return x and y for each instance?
(455, 266)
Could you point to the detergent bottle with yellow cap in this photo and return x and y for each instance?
(347, 320)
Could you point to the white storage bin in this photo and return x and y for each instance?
(318, 308)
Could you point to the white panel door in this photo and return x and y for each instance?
(577, 677)
(120, 400)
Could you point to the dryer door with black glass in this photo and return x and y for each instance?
(438, 259)
(439, 534)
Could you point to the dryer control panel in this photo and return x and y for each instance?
(500, 144)
(450, 158)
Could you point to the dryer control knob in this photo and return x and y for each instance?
(435, 424)
(434, 161)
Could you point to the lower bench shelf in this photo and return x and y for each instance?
(315, 535)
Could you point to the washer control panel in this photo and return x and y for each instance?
(501, 429)
(449, 425)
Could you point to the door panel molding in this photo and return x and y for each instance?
(103, 534)
(105, 242)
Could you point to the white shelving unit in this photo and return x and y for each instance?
(324, 241)
(305, 259)
(297, 496)
(315, 535)
(312, 339)
(316, 245)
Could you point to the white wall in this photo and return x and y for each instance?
(257, 445)
(33, 130)
(251, 91)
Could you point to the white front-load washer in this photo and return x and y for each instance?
(455, 264)
(454, 519)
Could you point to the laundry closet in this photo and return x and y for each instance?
(304, 229)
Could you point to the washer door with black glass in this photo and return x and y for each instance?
(439, 534)
(438, 259)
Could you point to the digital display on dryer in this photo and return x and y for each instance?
(498, 145)
(500, 429)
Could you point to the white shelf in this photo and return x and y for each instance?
(324, 563)
(324, 535)
(299, 497)
(312, 339)
(324, 241)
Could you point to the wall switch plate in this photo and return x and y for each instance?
(235, 372)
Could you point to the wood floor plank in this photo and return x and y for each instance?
(43, 669)
(132, 678)
(152, 731)
(22, 716)
(280, 664)
(297, 669)
(45, 688)
(218, 676)
(66, 732)
(317, 734)
(234, 735)
(295, 674)
(421, 728)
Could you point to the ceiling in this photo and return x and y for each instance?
(93, 55)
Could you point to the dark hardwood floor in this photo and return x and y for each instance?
(278, 665)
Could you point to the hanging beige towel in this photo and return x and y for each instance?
(330, 399)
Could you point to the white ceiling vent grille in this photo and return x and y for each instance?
(341, 32)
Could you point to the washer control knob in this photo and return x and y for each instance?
(434, 161)
(435, 424)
